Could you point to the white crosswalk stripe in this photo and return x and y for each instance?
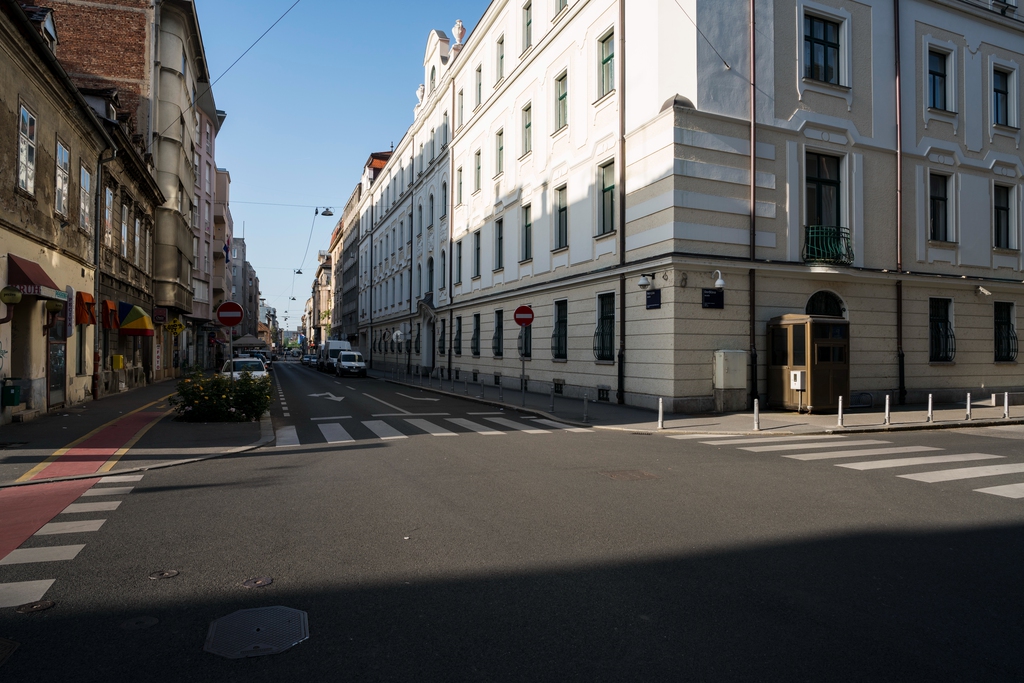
(516, 425)
(770, 439)
(21, 592)
(807, 446)
(965, 473)
(108, 491)
(286, 436)
(474, 426)
(383, 430)
(78, 527)
(91, 507)
(1006, 490)
(334, 433)
(910, 462)
(559, 425)
(429, 427)
(48, 554)
(829, 455)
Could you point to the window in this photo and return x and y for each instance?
(527, 240)
(457, 336)
(821, 50)
(442, 269)
(526, 341)
(1001, 97)
(433, 77)
(560, 331)
(476, 254)
(419, 222)
(430, 275)
(419, 279)
(476, 171)
(499, 244)
(444, 199)
(607, 223)
(209, 140)
(206, 257)
(1001, 215)
(430, 214)
(124, 230)
(607, 65)
(108, 217)
(499, 145)
(1005, 334)
(458, 263)
(461, 103)
(498, 338)
(561, 219)
(206, 216)
(81, 368)
(937, 79)
(560, 5)
(941, 341)
(138, 229)
(27, 151)
(527, 129)
(474, 344)
(479, 86)
(458, 186)
(85, 200)
(604, 335)
(63, 180)
(561, 102)
(938, 200)
(433, 151)
(527, 25)
(822, 190)
(206, 179)
(500, 58)
(444, 131)
(441, 340)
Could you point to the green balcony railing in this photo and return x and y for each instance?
(828, 244)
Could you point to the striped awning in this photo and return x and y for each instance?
(137, 323)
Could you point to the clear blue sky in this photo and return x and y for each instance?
(332, 82)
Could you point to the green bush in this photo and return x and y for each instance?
(203, 398)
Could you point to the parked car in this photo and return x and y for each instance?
(238, 366)
(350, 363)
(328, 354)
(309, 359)
(263, 357)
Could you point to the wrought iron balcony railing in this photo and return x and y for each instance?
(828, 244)
(941, 342)
(1006, 343)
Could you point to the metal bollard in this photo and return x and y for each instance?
(584, 406)
(840, 421)
(968, 406)
(552, 408)
(467, 386)
(501, 394)
(757, 415)
(931, 414)
(661, 413)
(887, 414)
(1006, 405)
(481, 388)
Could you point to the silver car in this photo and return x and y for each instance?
(350, 363)
(236, 367)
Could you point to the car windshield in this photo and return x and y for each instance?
(351, 358)
(250, 364)
(334, 353)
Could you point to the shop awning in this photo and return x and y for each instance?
(137, 323)
(85, 309)
(108, 315)
(30, 278)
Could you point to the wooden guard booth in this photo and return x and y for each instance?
(819, 345)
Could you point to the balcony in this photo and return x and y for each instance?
(217, 283)
(829, 244)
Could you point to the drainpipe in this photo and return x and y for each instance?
(451, 232)
(753, 210)
(97, 223)
(901, 360)
(620, 393)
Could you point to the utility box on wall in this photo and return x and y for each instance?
(730, 380)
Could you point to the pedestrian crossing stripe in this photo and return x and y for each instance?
(334, 432)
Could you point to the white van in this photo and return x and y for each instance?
(328, 354)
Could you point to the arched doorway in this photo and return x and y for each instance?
(824, 302)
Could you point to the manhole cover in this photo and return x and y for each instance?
(628, 475)
(139, 623)
(256, 632)
(259, 582)
(641, 433)
(37, 606)
(164, 574)
(7, 648)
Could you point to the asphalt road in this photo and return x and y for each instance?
(543, 555)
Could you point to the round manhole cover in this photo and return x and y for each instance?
(164, 574)
(258, 582)
(256, 632)
(37, 606)
(139, 623)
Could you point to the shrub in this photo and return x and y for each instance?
(203, 398)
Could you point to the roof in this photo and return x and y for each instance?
(378, 160)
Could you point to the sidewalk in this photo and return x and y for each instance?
(609, 415)
(28, 445)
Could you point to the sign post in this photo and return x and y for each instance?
(524, 318)
(229, 314)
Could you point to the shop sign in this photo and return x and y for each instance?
(69, 313)
(159, 315)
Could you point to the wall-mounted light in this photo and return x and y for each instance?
(645, 280)
(10, 296)
(719, 283)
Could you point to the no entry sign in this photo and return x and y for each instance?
(229, 314)
(523, 316)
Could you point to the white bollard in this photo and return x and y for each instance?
(757, 416)
(931, 415)
(887, 415)
(968, 406)
(661, 413)
(840, 422)
(1006, 405)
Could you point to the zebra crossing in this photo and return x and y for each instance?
(15, 593)
(811, 448)
(343, 429)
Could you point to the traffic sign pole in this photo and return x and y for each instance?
(524, 318)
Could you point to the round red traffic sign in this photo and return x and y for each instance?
(523, 316)
(230, 314)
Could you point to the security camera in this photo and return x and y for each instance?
(719, 283)
(645, 281)
(984, 291)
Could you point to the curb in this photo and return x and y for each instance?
(864, 429)
(266, 437)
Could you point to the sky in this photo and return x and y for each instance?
(334, 81)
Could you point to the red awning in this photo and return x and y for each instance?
(85, 309)
(30, 278)
(108, 315)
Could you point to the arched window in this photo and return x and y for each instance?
(433, 77)
(433, 151)
(430, 216)
(430, 274)
(444, 131)
(419, 279)
(825, 303)
(419, 227)
(442, 270)
(444, 199)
